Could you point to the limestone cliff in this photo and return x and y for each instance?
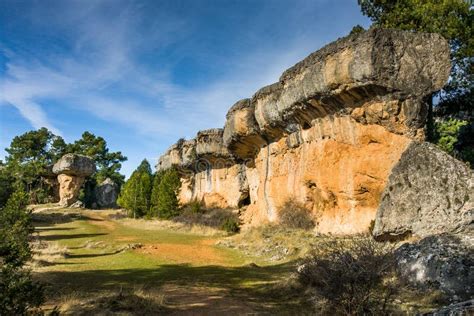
(327, 134)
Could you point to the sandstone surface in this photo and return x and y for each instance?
(72, 169)
(327, 134)
(428, 192)
(74, 165)
(443, 262)
(106, 194)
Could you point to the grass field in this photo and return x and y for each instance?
(94, 263)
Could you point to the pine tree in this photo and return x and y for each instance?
(18, 292)
(167, 199)
(153, 212)
(135, 194)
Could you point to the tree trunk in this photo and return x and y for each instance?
(430, 126)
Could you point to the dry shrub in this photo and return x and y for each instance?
(272, 242)
(225, 219)
(136, 301)
(294, 215)
(350, 277)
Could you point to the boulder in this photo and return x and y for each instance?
(72, 169)
(442, 262)
(428, 192)
(74, 165)
(106, 194)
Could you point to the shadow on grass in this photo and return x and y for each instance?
(252, 286)
(93, 255)
(73, 236)
(49, 219)
(47, 228)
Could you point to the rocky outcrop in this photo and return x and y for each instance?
(442, 262)
(72, 169)
(327, 134)
(428, 192)
(106, 194)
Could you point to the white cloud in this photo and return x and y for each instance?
(104, 55)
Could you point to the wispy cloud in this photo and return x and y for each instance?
(116, 62)
(104, 55)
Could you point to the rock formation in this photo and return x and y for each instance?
(428, 192)
(72, 169)
(444, 262)
(327, 134)
(106, 194)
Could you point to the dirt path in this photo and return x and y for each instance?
(186, 274)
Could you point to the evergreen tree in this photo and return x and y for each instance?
(155, 193)
(167, 199)
(135, 193)
(108, 163)
(18, 292)
(29, 156)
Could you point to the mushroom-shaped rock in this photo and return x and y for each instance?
(72, 169)
(106, 194)
(74, 165)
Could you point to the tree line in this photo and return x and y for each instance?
(31, 156)
(151, 195)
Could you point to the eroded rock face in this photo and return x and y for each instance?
(69, 187)
(443, 262)
(106, 194)
(74, 165)
(72, 169)
(327, 134)
(428, 192)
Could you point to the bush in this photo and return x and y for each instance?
(195, 207)
(354, 277)
(295, 215)
(231, 225)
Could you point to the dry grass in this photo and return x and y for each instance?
(47, 253)
(294, 215)
(134, 301)
(172, 225)
(273, 242)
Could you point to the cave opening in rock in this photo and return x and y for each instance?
(306, 125)
(244, 200)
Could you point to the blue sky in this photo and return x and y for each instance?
(142, 74)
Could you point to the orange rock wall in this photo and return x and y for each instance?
(338, 172)
(217, 187)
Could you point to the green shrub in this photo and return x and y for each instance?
(355, 277)
(295, 215)
(231, 225)
(196, 207)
